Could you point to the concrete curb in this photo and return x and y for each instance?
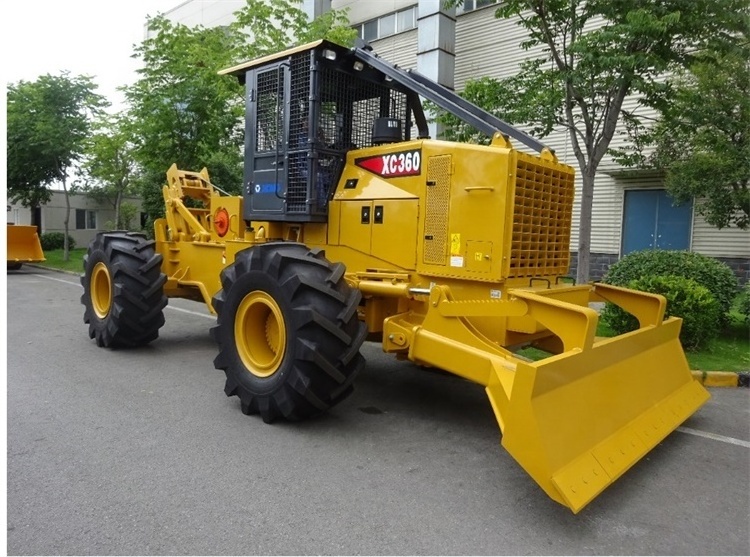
(722, 378)
(63, 271)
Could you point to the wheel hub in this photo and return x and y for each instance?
(260, 334)
(101, 290)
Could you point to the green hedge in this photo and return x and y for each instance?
(55, 240)
(699, 310)
(710, 273)
(743, 303)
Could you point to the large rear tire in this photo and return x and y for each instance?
(123, 290)
(288, 331)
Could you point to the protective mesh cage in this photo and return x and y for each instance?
(299, 164)
(345, 107)
(359, 103)
(306, 121)
(269, 131)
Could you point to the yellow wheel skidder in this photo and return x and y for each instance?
(353, 222)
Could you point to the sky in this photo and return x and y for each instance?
(85, 37)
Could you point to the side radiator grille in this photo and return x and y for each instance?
(436, 210)
(542, 218)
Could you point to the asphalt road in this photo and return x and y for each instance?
(139, 452)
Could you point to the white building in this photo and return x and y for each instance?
(87, 216)
(630, 211)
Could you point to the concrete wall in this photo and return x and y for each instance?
(53, 216)
(209, 13)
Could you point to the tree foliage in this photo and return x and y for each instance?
(588, 58)
(702, 137)
(273, 25)
(109, 165)
(48, 122)
(183, 112)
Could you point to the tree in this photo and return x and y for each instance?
(274, 25)
(128, 214)
(182, 111)
(30, 170)
(701, 140)
(591, 56)
(48, 121)
(109, 165)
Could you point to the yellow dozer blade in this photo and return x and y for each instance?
(576, 420)
(23, 245)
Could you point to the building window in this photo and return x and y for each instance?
(85, 219)
(471, 5)
(369, 30)
(406, 19)
(390, 24)
(387, 25)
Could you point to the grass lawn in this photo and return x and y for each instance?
(729, 352)
(55, 260)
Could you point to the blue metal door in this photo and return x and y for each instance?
(653, 222)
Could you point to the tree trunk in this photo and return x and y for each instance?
(118, 202)
(35, 220)
(66, 247)
(584, 226)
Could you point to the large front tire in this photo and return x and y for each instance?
(288, 331)
(123, 290)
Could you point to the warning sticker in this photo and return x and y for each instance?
(455, 244)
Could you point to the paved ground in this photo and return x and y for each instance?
(139, 452)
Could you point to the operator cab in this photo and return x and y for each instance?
(306, 108)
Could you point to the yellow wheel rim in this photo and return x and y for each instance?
(101, 290)
(260, 334)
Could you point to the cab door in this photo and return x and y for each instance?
(266, 133)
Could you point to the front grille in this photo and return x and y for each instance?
(542, 218)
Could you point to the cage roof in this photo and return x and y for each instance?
(240, 69)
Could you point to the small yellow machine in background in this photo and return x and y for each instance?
(23, 246)
(354, 224)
